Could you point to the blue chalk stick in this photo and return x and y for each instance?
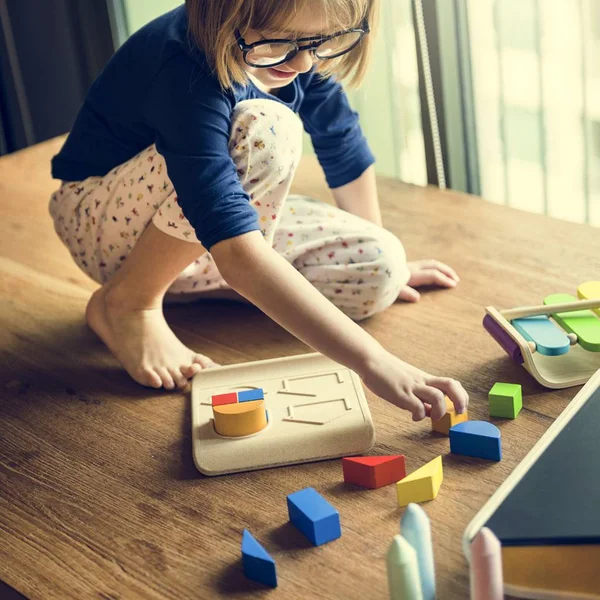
(249, 395)
(314, 516)
(476, 438)
(258, 564)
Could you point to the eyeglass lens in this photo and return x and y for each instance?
(273, 53)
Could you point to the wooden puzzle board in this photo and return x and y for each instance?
(317, 410)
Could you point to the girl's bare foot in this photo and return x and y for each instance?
(142, 342)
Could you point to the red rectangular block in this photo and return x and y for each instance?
(374, 471)
(221, 399)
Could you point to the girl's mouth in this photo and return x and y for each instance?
(280, 74)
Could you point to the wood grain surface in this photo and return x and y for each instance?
(99, 497)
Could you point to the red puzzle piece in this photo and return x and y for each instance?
(374, 471)
(221, 399)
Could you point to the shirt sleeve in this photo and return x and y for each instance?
(192, 118)
(333, 126)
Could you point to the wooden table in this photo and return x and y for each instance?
(99, 497)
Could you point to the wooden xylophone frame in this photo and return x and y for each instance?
(570, 369)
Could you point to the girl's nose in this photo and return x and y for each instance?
(302, 62)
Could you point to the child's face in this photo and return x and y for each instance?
(305, 24)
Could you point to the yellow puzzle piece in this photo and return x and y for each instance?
(422, 485)
(450, 419)
(239, 419)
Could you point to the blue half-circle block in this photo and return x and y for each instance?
(548, 338)
(476, 438)
(249, 395)
(258, 564)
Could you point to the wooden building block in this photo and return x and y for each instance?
(476, 438)
(237, 420)
(249, 395)
(505, 400)
(318, 520)
(222, 399)
(450, 419)
(421, 485)
(258, 563)
(373, 471)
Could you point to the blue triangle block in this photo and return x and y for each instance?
(258, 563)
(476, 438)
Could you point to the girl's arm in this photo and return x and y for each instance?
(267, 280)
(359, 197)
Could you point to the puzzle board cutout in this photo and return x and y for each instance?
(316, 408)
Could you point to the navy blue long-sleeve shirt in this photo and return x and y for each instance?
(158, 89)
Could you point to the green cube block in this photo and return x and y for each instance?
(506, 400)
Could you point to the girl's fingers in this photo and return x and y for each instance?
(443, 267)
(432, 264)
(435, 398)
(431, 277)
(408, 294)
(414, 405)
(453, 389)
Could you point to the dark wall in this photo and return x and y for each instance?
(50, 53)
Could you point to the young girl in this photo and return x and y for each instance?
(175, 181)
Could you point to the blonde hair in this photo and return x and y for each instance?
(212, 25)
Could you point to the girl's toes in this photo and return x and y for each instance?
(204, 361)
(178, 377)
(191, 370)
(148, 377)
(167, 380)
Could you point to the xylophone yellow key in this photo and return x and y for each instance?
(589, 290)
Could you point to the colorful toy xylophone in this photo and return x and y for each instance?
(558, 343)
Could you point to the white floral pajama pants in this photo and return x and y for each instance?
(357, 265)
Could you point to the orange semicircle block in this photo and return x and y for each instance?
(237, 420)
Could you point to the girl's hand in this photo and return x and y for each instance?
(427, 272)
(412, 389)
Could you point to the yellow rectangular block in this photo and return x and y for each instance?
(449, 420)
(422, 485)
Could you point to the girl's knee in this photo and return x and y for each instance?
(393, 270)
(266, 137)
(387, 274)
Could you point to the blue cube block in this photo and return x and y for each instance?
(249, 395)
(314, 516)
(258, 564)
(476, 438)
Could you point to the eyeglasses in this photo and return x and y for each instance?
(270, 53)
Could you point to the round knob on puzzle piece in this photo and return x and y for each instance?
(240, 419)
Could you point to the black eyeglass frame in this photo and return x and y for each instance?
(313, 43)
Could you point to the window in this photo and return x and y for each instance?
(535, 85)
